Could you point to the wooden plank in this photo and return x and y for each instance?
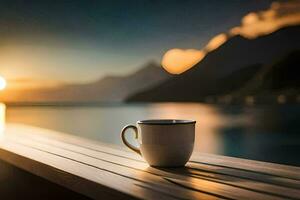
(206, 177)
(61, 153)
(19, 184)
(76, 176)
(72, 139)
(156, 182)
(48, 171)
(202, 174)
(207, 167)
(203, 185)
(291, 172)
(128, 183)
(276, 180)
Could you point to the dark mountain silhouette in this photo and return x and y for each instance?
(107, 89)
(208, 78)
(238, 78)
(283, 74)
(280, 77)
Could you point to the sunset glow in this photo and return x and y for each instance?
(253, 25)
(176, 61)
(279, 15)
(2, 118)
(216, 42)
(2, 83)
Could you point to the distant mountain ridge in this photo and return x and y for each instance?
(107, 89)
(280, 77)
(207, 78)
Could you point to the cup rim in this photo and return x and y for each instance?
(166, 121)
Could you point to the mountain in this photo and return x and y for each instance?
(208, 77)
(283, 74)
(280, 77)
(107, 89)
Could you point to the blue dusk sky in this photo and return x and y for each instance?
(81, 41)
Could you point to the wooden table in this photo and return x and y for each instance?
(100, 171)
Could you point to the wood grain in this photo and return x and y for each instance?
(103, 171)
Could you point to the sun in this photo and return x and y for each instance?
(2, 83)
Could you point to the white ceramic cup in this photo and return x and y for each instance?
(163, 142)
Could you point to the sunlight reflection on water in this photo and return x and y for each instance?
(2, 117)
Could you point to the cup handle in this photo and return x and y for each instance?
(130, 146)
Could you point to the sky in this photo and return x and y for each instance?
(82, 41)
(253, 25)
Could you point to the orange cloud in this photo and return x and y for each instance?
(216, 42)
(253, 25)
(176, 61)
(265, 22)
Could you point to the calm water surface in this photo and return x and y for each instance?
(268, 133)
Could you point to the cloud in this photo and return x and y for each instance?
(254, 24)
(216, 42)
(279, 15)
(176, 61)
